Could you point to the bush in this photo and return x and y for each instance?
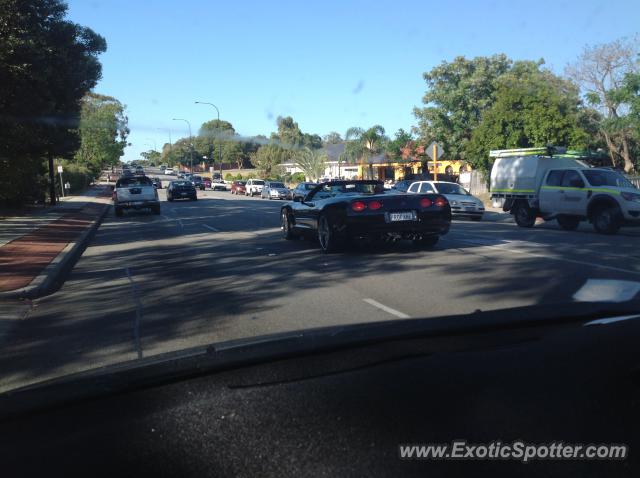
(297, 178)
(228, 177)
(238, 177)
(78, 176)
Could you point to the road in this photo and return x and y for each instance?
(217, 269)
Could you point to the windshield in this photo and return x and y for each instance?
(352, 112)
(607, 178)
(449, 188)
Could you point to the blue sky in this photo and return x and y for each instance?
(330, 64)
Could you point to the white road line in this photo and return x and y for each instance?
(543, 256)
(389, 310)
(211, 228)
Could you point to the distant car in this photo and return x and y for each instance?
(169, 171)
(301, 190)
(218, 185)
(181, 189)
(253, 187)
(197, 182)
(238, 187)
(126, 173)
(163, 168)
(274, 190)
(463, 204)
(157, 182)
(139, 170)
(207, 183)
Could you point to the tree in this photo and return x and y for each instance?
(152, 157)
(457, 95)
(268, 157)
(532, 108)
(312, 162)
(233, 153)
(47, 64)
(600, 71)
(289, 133)
(332, 138)
(103, 132)
(398, 144)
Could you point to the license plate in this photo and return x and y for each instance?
(135, 190)
(183, 194)
(469, 208)
(402, 216)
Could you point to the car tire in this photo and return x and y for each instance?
(568, 223)
(427, 241)
(119, 212)
(285, 225)
(194, 198)
(524, 216)
(327, 237)
(607, 219)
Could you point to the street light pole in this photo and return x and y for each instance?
(219, 143)
(190, 140)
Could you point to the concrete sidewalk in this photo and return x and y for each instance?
(37, 249)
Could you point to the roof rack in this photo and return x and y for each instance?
(541, 151)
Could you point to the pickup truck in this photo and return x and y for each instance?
(564, 189)
(135, 192)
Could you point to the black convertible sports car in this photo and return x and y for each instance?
(339, 211)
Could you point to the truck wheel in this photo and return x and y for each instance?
(568, 223)
(119, 211)
(524, 216)
(607, 219)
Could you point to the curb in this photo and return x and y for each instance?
(53, 276)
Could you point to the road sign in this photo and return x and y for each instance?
(436, 150)
(60, 169)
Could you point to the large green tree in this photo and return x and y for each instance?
(458, 93)
(269, 157)
(103, 132)
(47, 64)
(532, 107)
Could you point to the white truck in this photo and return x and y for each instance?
(534, 182)
(135, 192)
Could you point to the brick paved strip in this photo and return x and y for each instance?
(23, 259)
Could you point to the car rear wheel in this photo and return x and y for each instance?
(524, 216)
(607, 219)
(327, 236)
(426, 241)
(568, 223)
(286, 227)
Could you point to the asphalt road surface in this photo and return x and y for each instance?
(217, 269)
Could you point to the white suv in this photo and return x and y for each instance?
(253, 187)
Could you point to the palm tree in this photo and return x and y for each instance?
(362, 144)
(312, 162)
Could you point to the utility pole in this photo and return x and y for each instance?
(219, 142)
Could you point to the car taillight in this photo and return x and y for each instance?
(440, 202)
(358, 206)
(425, 202)
(374, 205)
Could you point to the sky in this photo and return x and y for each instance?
(329, 64)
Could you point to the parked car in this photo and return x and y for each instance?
(301, 190)
(207, 183)
(463, 204)
(238, 187)
(135, 192)
(197, 182)
(168, 171)
(253, 187)
(338, 211)
(181, 189)
(157, 182)
(218, 185)
(274, 190)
